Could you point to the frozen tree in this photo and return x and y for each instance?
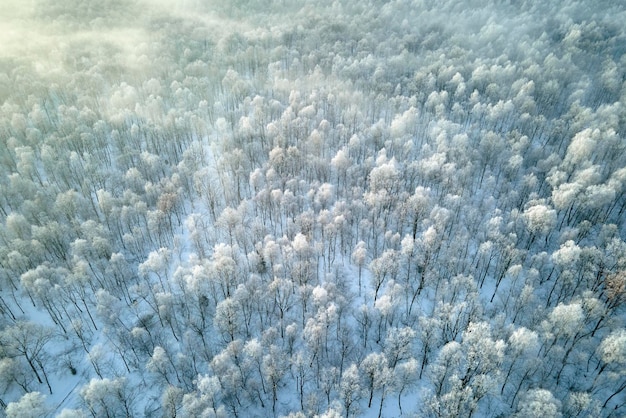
(415, 256)
(44, 284)
(71, 413)
(205, 400)
(566, 259)
(283, 295)
(30, 405)
(383, 268)
(227, 319)
(523, 344)
(429, 333)
(398, 345)
(484, 356)
(29, 340)
(405, 375)
(341, 163)
(376, 375)
(581, 404)
(563, 322)
(540, 220)
(465, 373)
(612, 351)
(302, 269)
(350, 390)
(359, 255)
(10, 372)
(417, 206)
(446, 366)
(223, 269)
(325, 195)
(162, 365)
(157, 264)
(229, 219)
(302, 373)
(457, 307)
(108, 398)
(581, 147)
(538, 403)
(613, 348)
(171, 401)
(274, 367)
(456, 402)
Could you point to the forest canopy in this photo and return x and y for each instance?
(312, 209)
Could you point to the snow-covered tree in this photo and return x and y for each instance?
(109, 397)
(31, 405)
(29, 340)
(539, 403)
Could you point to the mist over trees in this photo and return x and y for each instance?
(402, 208)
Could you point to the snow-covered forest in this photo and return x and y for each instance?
(296, 209)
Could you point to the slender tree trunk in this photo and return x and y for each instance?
(620, 389)
(382, 400)
(32, 366)
(45, 375)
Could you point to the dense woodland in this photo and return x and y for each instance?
(298, 209)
